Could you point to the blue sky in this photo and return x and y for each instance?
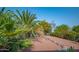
(58, 15)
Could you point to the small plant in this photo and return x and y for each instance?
(3, 42)
(71, 35)
(25, 43)
(17, 45)
(77, 37)
(71, 49)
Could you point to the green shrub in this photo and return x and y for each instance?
(76, 28)
(25, 43)
(17, 45)
(70, 35)
(61, 30)
(77, 37)
(45, 26)
(52, 34)
(3, 42)
(58, 34)
(70, 49)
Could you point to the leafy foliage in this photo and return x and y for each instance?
(76, 28)
(17, 45)
(47, 28)
(10, 31)
(61, 30)
(3, 42)
(26, 20)
(71, 35)
(17, 27)
(70, 49)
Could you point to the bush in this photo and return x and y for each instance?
(70, 35)
(61, 30)
(25, 43)
(18, 45)
(58, 34)
(71, 49)
(3, 42)
(77, 37)
(45, 26)
(76, 28)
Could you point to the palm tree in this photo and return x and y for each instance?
(1, 17)
(2, 11)
(6, 26)
(6, 21)
(26, 20)
(10, 30)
